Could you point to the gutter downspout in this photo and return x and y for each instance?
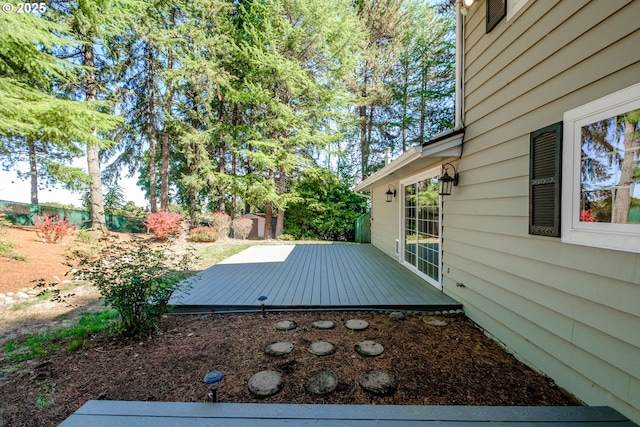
(459, 114)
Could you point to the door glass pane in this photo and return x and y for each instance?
(428, 228)
(410, 224)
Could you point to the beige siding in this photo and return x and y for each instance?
(570, 311)
(385, 218)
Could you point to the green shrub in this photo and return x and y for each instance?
(137, 281)
(286, 237)
(203, 234)
(86, 237)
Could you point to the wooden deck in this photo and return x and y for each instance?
(99, 413)
(310, 277)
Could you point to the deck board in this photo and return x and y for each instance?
(313, 276)
(120, 413)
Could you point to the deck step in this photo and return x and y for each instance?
(99, 413)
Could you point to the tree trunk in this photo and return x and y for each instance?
(151, 131)
(234, 203)
(268, 218)
(93, 163)
(623, 195)
(33, 171)
(281, 188)
(221, 157)
(164, 170)
(164, 165)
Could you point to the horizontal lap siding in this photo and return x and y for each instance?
(571, 311)
(384, 227)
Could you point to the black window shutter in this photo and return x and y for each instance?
(496, 10)
(544, 180)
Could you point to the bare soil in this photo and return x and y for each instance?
(451, 365)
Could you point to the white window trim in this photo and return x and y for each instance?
(624, 237)
(513, 6)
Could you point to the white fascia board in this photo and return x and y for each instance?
(446, 147)
(411, 155)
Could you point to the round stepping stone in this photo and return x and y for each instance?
(265, 383)
(369, 348)
(322, 348)
(279, 348)
(378, 382)
(324, 324)
(285, 325)
(321, 382)
(435, 322)
(357, 324)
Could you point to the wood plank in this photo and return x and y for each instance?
(114, 413)
(335, 276)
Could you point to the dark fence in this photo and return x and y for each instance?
(23, 213)
(363, 228)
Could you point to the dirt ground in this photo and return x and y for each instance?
(454, 364)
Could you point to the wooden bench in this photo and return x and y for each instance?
(107, 413)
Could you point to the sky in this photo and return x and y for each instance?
(13, 189)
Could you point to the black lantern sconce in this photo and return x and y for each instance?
(447, 182)
(390, 193)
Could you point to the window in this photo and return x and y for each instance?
(544, 181)
(601, 172)
(496, 10)
(513, 6)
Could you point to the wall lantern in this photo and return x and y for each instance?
(465, 5)
(390, 193)
(447, 182)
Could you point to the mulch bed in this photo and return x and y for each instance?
(452, 365)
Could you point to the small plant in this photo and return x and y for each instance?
(7, 251)
(220, 221)
(286, 237)
(242, 228)
(203, 234)
(163, 224)
(4, 224)
(40, 345)
(52, 229)
(85, 237)
(137, 281)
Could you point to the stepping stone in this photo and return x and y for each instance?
(435, 322)
(285, 325)
(378, 382)
(369, 348)
(322, 348)
(265, 383)
(357, 324)
(279, 348)
(321, 382)
(397, 315)
(324, 324)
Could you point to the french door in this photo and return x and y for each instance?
(420, 227)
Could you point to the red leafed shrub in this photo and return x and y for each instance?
(163, 223)
(586, 216)
(203, 234)
(52, 229)
(242, 228)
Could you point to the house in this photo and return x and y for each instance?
(540, 238)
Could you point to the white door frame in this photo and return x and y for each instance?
(430, 173)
